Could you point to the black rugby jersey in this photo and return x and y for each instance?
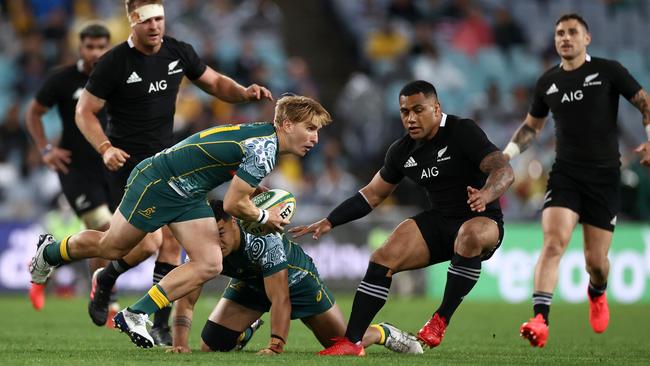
(140, 92)
(444, 165)
(62, 88)
(584, 103)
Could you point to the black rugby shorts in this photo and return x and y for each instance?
(84, 187)
(593, 193)
(440, 233)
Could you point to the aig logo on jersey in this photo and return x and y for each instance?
(572, 96)
(157, 86)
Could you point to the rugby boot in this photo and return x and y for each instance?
(100, 297)
(135, 326)
(37, 295)
(161, 335)
(39, 268)
(246, 335)
(400, 341)
(598, 313)
(535, 331)
(343, 347)
(433, 331)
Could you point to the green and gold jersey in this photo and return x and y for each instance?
(262, 256)
(203, 161)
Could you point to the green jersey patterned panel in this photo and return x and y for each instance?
(211, 157)
(262, 256)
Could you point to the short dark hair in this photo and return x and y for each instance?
(574, 16)
(418, 86)
(94, 30)
(218, 211)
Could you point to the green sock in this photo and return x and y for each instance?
(153, 301)
(52, 254)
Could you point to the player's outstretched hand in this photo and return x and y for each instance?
(476, 199)
(644, 152)
(266, 352)
(178, 349)
(318, 228)
(276, 222)
(58, 159)
(115, 158)
(256, 92)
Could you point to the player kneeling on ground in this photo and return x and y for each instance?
(270, 272)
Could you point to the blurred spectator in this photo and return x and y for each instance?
(442, 73)
(300, 79)
(13, 138)
(507, 33)
(472, 33)
(386, 43)
(404, 10)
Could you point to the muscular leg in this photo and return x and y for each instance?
(475, 237)
(169, 257)
(225, 324)
(114, 243)
(99, 219)
(597, 243)
(557, 224)
(404, 249)
(330, 325)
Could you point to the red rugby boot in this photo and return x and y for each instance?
(535, 331)
(598, 313)
(433, 331)
(343, 347)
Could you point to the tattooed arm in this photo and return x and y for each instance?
(524, 136)
(500, 177)
(182, 321)
(642, 102)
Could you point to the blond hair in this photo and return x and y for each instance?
(298, 109)
(131, 5)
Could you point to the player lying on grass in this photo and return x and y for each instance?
(271, 272)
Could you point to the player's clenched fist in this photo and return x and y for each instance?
(114, 158)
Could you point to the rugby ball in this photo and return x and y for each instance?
(267, 200)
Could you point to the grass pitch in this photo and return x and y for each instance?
(480, 333)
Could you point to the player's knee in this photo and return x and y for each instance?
(554, 244)
(110, 249)
(469, 239)
(207, 270)
(218, 338)
(595, 262)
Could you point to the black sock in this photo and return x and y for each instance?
(462, 275)
(160, 270)
(542, 304)
(111, 272)
(370, 298)
(596, 290)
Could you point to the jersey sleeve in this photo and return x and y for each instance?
(258, 161)
(473, 141)
(104, 77)
(391, 172)
(267, 251)
(194, 66)
(623, 81)
(48, 94)
(538, 108)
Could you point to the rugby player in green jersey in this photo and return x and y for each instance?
(170, 188)
(270, 272)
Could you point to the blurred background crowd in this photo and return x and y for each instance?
(483, 56)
